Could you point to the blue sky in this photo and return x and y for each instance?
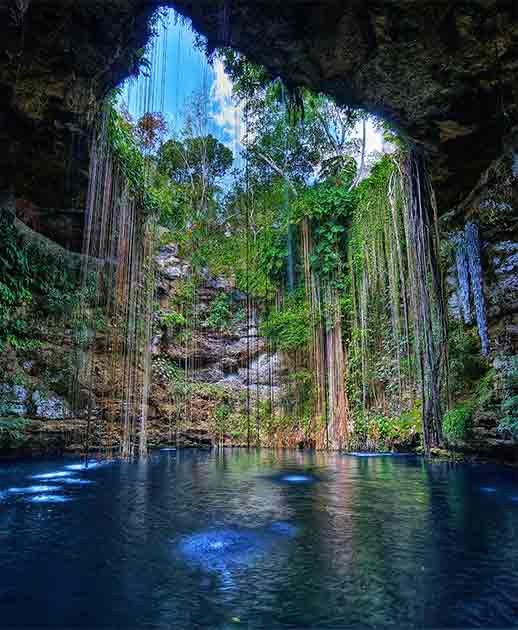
(178, 71)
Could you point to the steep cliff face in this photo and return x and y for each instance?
(444, 73)
(207, 355)
(213, 357)
(58, 59)
(493, 207)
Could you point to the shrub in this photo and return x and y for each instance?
(12, 432)
(457, 422)
(220, 313)
(173, 320)
(509, 407)
(288, 328)
(375, 431)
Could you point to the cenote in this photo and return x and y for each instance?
(208, 539)
(258, 314)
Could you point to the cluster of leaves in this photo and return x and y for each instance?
(165, 369)
(328, 206)
(123, 139)
(288, 327)
(220, 313)
(509, 421)
(35, 281)
(457, 422)
(12, 432)
(375, 431)
(172, 320)
(466, 365)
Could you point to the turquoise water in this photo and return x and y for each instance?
(260, 539)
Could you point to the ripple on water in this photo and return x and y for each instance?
(216, 550)
(52, 475)
(223, 549)
(368, 454)
(34, 489)
(76, 481)
(284, 529)
(49, 498)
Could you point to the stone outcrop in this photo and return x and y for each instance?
(189, 380)
(199, 366)
(443, 73)
(493, 206)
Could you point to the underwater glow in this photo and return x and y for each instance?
(52, 475)
(49, 498)
(282, 528)
(297, 478)
(33, 489)
(216, 550)
(223, 549)
(76, 481)
(488, 489)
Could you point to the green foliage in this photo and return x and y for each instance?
(328, 206)
(220, 313)
(375, 431)
(457, 422)
(509, 421)
(138, 169)
(165, 370)
(466, 365)
(193, 159)
(221, 416)
(370, 215)
(248, 79)
(172, 320)
(36, 281)
(289, 327)
(12, 432)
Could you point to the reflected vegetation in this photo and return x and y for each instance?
(205, 537)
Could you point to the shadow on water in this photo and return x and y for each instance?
(272, 539)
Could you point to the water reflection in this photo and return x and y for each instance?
(199, 539)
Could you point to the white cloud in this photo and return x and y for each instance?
(227, 113)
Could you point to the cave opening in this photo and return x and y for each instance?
(181, 156)
(258, 313)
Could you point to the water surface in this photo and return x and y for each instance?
(261, 539)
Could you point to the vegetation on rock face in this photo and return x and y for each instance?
(289, 327)
(37, 279)
(12, 432)
(457, 423)
(509, 422)
(319, 245)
